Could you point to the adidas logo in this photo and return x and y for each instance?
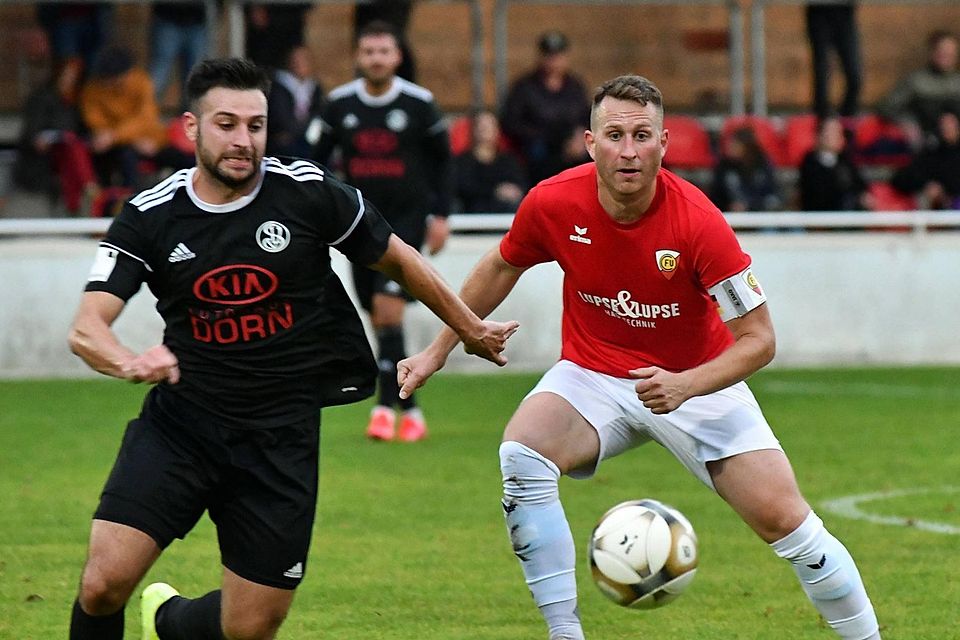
(296, 571)
(181, 253)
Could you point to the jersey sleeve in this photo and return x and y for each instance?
(121, 265)
(725, 270)
(524, 244)
(357, 229)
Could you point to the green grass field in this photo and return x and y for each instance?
(410, 543)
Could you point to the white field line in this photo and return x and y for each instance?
(870, 389)
(850, 507)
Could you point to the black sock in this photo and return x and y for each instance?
(185, 619)
(391, 351)
(86, 627)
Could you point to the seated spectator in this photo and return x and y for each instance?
(486, 178)
(829, 180)
(53, 155)
(920, 97)
(934, 176)
(744, 178)
(119, 108)
(295, 103)
(546, 112)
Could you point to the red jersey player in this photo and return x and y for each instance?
(663, 320)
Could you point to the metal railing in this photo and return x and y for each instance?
(918, 222)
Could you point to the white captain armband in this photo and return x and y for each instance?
(103, 264)
(737, 295)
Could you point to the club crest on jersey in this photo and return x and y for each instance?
(752, 282)
(350, 121)
(273, 237)
(397, 120)
(667, 260)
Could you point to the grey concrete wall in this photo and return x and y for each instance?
(835, 299)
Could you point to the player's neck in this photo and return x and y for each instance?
(626, 209)
(377, 89)
(212, 191)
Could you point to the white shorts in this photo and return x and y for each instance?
(702, 429)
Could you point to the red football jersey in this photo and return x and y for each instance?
(633, 294)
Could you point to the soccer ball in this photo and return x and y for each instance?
(643, 554)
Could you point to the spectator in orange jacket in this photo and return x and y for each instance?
(118, 106)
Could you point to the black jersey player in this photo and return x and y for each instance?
(259, 336)
(394, 145)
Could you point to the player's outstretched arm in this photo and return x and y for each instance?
(485, 339)
(484, 289)
(754, 346)
(93, 340)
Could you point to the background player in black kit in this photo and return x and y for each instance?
(393, 145)
(260, 334)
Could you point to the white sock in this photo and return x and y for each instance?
(830, 579)
(541, 536)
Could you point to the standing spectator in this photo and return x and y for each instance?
(487, 179)
(833, 27)
(231, 424)
(663, 321)
(829, 180)
(397, 13)
(76, 29)
(273, 30)
(394, 146)
(53, 142)
(119, 107)
(178, 34)
(920, 97)
(934, 175)
(744, 178)
(547, 110)
(295, 102)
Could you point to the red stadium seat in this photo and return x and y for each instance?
(886, 198)
(688, 145)
(460, 134)
(799, 137)
(765, 132)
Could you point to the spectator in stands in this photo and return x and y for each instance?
(829, 180)
(273, 30)
(487, 179)
(396, 13)
(833, 26)
(178, 34)
(920, 97)
(118, 106)
(295, 104)
(744, 178)
(76, 29)
(547, 110)
(934, 176)
(53, 155)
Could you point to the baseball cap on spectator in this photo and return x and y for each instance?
(553, 42)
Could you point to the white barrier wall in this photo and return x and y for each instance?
(836, 298)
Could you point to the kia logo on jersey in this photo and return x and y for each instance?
(235, 284)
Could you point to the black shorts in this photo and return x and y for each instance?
(259, 486)
(368, 282)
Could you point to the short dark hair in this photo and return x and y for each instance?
(629, 87)
(229, 73)
(378, 28)
(938, 36)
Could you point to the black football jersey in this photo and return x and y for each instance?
(394, 147)
(263, 329)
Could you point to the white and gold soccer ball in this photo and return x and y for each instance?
(643, 554)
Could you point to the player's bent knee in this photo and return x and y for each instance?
(100, 594)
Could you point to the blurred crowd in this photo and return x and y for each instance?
(95, 132)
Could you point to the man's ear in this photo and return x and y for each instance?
(191, 126)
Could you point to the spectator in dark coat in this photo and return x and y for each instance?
(744, 178)
(487, 178)
(829, 180)
(934, 175)
(295, 103)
